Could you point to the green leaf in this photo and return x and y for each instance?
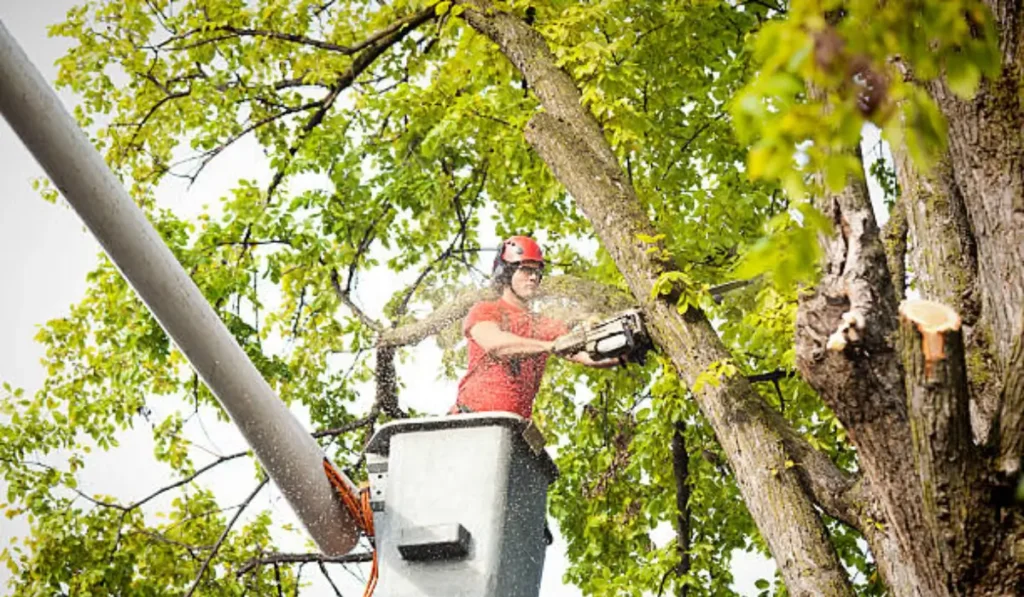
(962, 75)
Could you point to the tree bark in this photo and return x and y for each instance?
(570, 141)
(1011, 414)
(896, 233)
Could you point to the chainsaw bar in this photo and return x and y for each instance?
(622, 335)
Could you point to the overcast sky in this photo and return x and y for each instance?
(45, 253)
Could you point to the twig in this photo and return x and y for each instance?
(223, 536)
(352, 426)
(306, 558)
(323, 569)
(347, 301)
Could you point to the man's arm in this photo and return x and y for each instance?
(500, 343)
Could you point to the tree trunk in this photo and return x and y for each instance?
(570, 141)
(681, 470)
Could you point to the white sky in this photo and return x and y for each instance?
(45, 253)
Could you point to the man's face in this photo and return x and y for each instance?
(526, 280)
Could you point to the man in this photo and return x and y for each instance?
(509, 345)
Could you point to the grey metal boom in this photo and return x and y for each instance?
(287, 451)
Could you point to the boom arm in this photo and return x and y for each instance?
(287, 451)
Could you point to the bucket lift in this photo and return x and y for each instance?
(459, 506)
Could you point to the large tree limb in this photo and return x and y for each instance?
(587, 297)
(945, 458)
(986, 148)
(944, 259)
(570, 141)
(838, 493)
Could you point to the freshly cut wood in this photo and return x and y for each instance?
(932, 320)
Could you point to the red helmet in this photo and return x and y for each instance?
(511, 253)
(520, 248)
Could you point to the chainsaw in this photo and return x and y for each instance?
(621, 335)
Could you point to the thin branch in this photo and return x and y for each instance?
(408, 23)
(347, 427)
(294, 38)
(298, 578)
(298, 312)
(191, 549)
(187, 479)
(681, 470)
(323, 569)
(208, 156)
(688, 141)
(346, 300)
(460, 235)
(224, 536)
(149, 114)
(306, 558)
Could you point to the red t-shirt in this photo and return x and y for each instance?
(505, 383)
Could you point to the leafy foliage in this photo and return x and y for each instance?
(400, 149)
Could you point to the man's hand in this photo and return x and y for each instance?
(569, 344)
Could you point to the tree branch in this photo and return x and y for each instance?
(358, 423)
(187, 479)
(441, 318)
(224, 536)
(845, 348)
(681, 469)
(587, 297)
(459, 237)
(835, 491)
(346, 300)
(387, 382)
(947, 462)
(400, 26)
(306, 558)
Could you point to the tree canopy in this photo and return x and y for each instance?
(657, 149)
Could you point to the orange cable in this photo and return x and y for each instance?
(361, 512)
